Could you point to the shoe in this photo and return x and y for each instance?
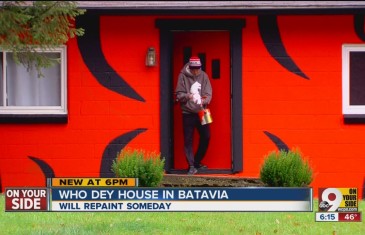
(192, 171)
(201, 167)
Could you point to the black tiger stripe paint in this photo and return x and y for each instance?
(45, 167)
(277, 141)
(270, 34)
(359, 26)
(92, 54)
(113, 148)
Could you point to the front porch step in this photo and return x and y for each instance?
(178, 180)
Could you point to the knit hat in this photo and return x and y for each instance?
(194, 62)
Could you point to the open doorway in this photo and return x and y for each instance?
(220, 48)
(212, 47)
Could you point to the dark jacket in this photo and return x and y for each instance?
(185, 80)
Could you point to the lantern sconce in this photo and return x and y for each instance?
(151, 57)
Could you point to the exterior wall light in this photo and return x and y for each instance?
(151, 57)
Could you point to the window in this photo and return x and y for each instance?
(22, 92)
(353, 80)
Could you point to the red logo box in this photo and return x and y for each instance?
(26, 199)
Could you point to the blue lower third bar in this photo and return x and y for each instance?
(224, 199)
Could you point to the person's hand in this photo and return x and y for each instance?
(204, 100)
(197, 98)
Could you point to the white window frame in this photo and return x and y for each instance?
(346, 107)
(39, 110)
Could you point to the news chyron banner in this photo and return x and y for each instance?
(182, 199)
(123, 194)
(338, 205)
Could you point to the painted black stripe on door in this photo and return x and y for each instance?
(203, 60)
(216, 68)
(186, 54)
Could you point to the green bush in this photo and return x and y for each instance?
(147, 167)
(286, 169)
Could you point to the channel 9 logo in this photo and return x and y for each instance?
(337, 199)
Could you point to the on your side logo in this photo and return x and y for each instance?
(338, 199)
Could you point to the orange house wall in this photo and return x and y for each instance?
(305, 114)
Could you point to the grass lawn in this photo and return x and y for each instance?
(173, 223)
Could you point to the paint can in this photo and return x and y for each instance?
(205, 116)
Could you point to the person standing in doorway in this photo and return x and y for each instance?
(193, 92)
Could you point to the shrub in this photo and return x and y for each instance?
(147, 167)
(286, 169)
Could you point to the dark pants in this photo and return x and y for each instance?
(190, 122)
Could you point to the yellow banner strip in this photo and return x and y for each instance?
(93, 182)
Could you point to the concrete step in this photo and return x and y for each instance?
(178, 180)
